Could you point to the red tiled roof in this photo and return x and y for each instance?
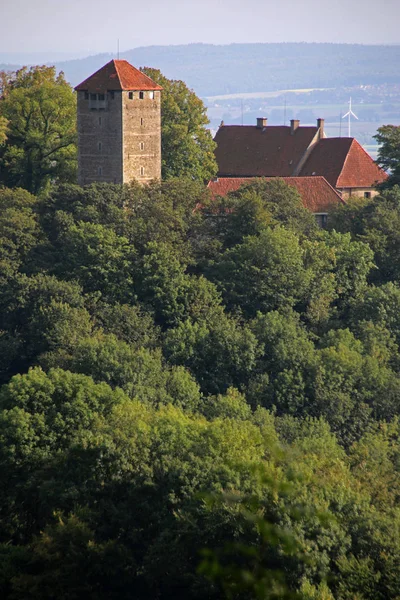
(117, 75)
(344, 163)
(316, 193)
(271, 151)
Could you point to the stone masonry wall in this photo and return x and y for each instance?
(141, 121)
(99, 139)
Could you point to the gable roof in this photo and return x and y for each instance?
(117, 75)
(316, 193)
(344, 163)
(250, 151)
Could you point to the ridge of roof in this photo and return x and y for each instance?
(117, 75)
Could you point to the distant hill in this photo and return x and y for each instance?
(211, 70)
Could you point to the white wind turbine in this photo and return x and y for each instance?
(349, 114)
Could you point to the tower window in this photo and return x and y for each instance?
(130, 95)
(100, 146)
(142, 121)
(142, 145)
(142, 171)
(141, 95)
(100, 171)
(151, 95)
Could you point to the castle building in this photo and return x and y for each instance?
(297, 151)
(119, 126)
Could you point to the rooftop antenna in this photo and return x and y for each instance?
(349, 114)
(284, 112)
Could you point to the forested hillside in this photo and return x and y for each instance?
(198, 403)
(212, 70)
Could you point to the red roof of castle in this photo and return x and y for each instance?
(344, 163)
(316, 193)
(271, 151)
(117, 75)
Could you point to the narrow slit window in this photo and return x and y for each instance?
(142, 145)
(142, 121)
(100, 171)
(100, 145)
(141, 95)
(142, 171)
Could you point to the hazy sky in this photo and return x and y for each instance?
(92, 26)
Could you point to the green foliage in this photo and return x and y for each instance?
(265, 272)
(388, 138)
(180, 384)
(41, 111)
(187, 147)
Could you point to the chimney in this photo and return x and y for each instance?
(294, 124)
(261, 122)
(320, 125)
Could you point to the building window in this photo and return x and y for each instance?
(86, 95)
(101, 97)
(100, 171)
(99, 146)
(130, 95)
(112, 95)
(322, 219)
(142, 171)
(367, 194)
(100, 121)
(142, 121)
(141, 95)
(142, 145)
(151, 95)
(93, 97)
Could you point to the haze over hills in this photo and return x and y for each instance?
(239, 82)
(215, 70)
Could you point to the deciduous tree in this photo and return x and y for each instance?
(40, 108)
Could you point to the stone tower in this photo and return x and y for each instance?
(119, 126)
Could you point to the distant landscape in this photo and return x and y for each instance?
(239, 82)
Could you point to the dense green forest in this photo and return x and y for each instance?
(198, 403)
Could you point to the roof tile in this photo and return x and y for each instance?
(316, 193)
(271, 151)
(344, 163)
(117, 75)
